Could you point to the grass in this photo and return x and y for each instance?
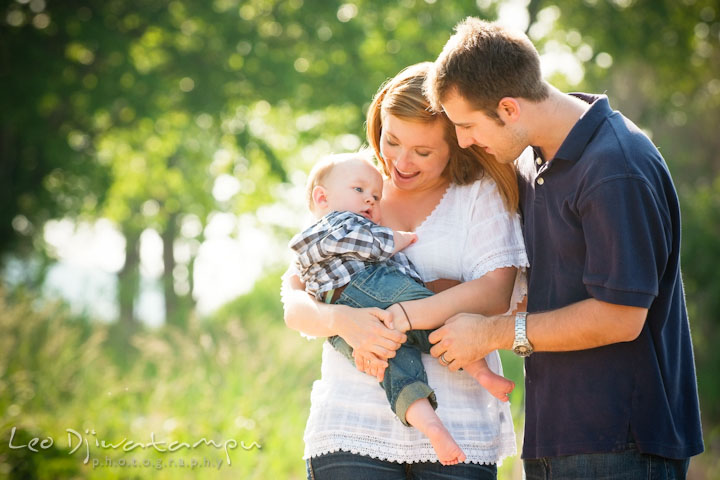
(226, 379)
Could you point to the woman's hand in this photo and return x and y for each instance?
(370, 364)
(364, 329)
(372, 342)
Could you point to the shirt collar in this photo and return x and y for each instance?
(582, 132)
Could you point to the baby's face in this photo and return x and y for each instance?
(355, 186)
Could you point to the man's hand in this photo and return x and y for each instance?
(468, 337)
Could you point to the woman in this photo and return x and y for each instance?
(462, 205)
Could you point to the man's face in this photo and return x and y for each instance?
(473, 127)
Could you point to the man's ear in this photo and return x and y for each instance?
(319, 196)
(509, 109)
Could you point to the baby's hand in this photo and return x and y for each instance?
(403, 239)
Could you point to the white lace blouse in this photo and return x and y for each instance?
(467, 235)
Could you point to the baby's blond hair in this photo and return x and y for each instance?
(325, 165)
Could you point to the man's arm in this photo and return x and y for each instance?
(583, 325)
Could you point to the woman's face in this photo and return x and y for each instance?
(415, 153)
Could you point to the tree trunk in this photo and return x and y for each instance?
(129, 279)
(173, 314)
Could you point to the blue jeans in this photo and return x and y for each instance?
(349, 466)
(626, 465)
(380, 286)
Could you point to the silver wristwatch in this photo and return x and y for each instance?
(521, 345)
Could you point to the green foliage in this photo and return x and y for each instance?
(701, 251)
(658, 61)
(44, 380)
(171, 82)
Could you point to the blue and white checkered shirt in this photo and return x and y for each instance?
(340, 245)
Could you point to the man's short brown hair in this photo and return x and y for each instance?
(484, 62)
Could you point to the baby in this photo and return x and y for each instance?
(346, 257)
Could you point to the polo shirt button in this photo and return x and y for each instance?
(538, 161)
(540, 180)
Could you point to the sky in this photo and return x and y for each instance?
(234, 255)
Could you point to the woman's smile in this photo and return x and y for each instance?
(405, 175)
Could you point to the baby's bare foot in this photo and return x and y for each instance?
(448, 452)
(499, 387)
(422, 416)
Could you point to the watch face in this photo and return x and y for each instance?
(522, 350)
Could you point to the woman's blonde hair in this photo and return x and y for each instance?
(403, 97)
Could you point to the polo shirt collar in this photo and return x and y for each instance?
(574, 144)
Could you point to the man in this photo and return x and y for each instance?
(610, 385)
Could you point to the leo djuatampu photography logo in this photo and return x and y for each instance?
(89, 442)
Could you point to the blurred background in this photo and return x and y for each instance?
(152, 161)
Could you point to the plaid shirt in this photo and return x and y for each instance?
(340, 245)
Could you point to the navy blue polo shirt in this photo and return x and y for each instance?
(602, 220)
